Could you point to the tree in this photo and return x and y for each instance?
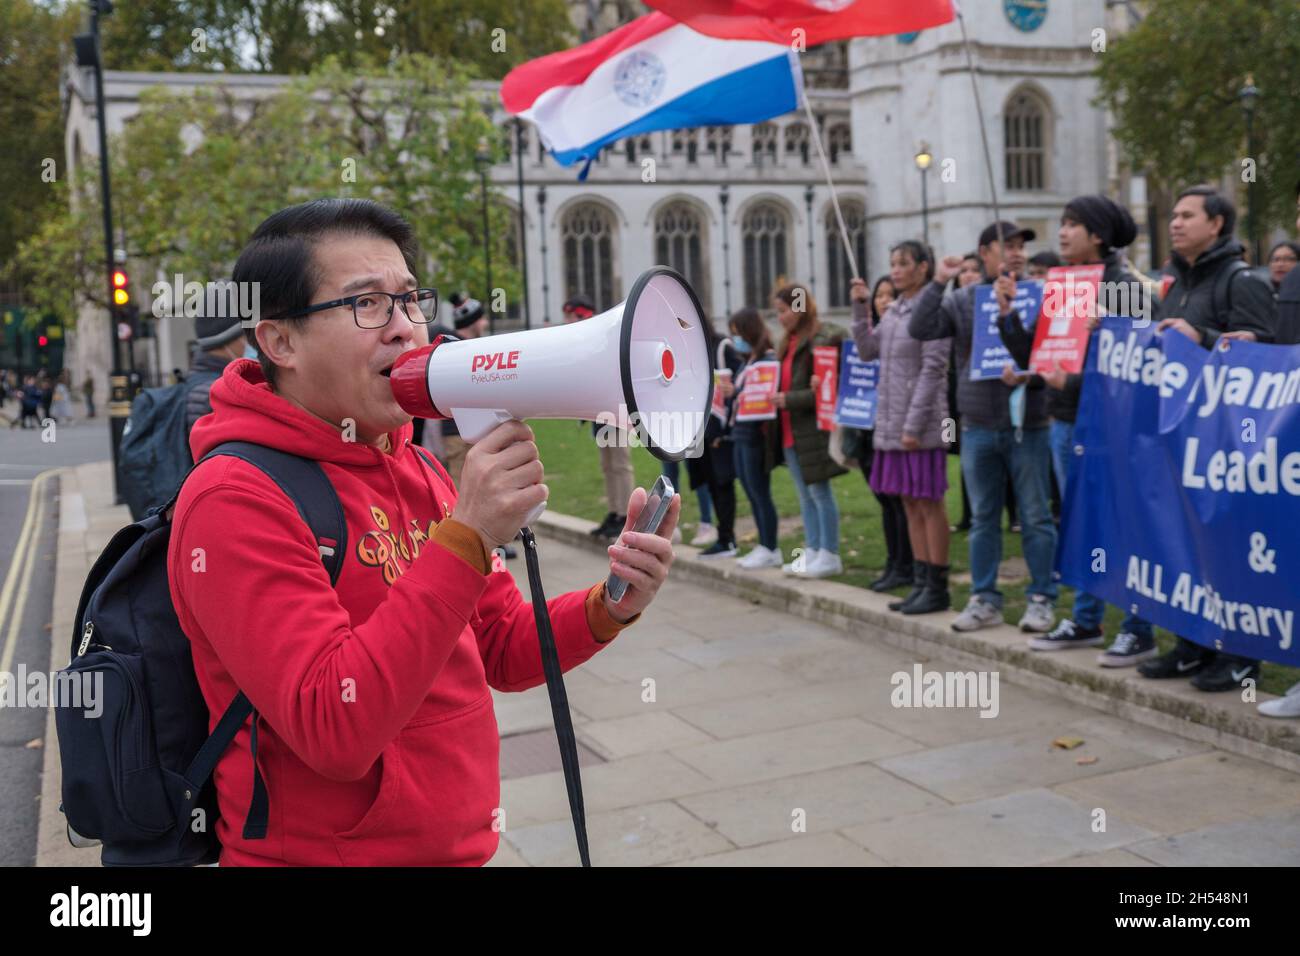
(1172, 83)
(194, 173)
(295, 36)
(34, 42)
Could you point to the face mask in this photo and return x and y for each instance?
(250, 352)
(741, 345)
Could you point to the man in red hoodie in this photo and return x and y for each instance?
(376, 735)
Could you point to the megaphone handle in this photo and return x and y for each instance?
(474, 423)
(535, 514)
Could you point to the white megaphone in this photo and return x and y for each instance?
(642, 365)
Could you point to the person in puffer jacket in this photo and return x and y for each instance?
(375, 730)
(910, 453)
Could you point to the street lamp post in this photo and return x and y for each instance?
(484, 159)
(1248, 94)
(541, 230)
(523, 222)
(724, 194)
(87, 48)
(812, 266)
(923, 160)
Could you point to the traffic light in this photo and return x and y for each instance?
(121, 292)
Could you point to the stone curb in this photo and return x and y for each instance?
(1220, 720)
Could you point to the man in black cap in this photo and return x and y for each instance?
(219, 340)
(1003, 432)
(1093, 231)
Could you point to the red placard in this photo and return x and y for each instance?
(756, 401)
(1069, 300)
(826, 365)
(719, 408)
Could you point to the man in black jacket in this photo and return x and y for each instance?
(1214, 296)
(1003, 432)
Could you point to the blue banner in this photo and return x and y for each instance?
(987, 353)
(1184, 506)
(855, 405)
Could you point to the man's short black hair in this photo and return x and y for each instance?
(1216, 204)
(279, 255)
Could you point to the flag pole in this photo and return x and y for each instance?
(984, 136)
(826, 168)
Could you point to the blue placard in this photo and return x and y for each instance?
(987, 353)
(855, 404)
(1185, 495)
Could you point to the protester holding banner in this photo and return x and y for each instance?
(1004, 431)
(1213, 296)
(910, 459)
(893, 518)
(1214, 292)
(971, 273)
(805, 447)
(1093, 230)
(755, 456)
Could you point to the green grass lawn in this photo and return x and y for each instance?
(577, 487)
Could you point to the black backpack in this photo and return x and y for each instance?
(155, 453)
(134, 777)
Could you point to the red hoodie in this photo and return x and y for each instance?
(377, 738)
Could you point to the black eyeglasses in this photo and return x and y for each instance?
(373, 310)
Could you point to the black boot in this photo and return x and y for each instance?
(935, 597)
(885, 575)
(896, 575)
(920, 574)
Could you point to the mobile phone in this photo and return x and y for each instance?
(648, 521)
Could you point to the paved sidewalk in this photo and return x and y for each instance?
(772, 739)
(762, 720)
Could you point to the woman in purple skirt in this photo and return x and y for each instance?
(912, 425)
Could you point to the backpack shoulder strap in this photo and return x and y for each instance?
(1223, 286)
(307, 486)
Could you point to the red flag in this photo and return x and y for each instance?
(821, 20)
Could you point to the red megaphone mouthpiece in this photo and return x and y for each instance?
(410, 381)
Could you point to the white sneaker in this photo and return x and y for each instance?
(705, 535)
(1039, 616)
(826, 564)
(760, 557)
(803, 561)
(977, 614)
(1287, 706)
